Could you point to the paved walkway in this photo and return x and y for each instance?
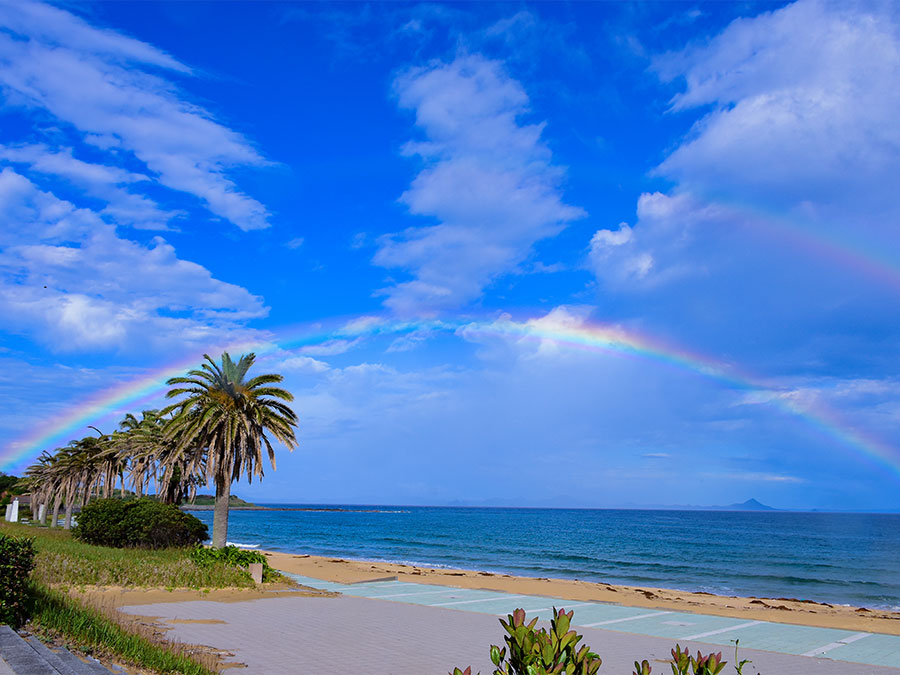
(840, 645)
(389, 628)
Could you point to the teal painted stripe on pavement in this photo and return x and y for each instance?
(838, 645)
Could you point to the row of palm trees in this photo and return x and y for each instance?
(215, 430)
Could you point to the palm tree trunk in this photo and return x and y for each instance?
(69, 504)
(220, 512)
(55, 521)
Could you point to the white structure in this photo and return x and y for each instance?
(41, 510)
(8, 512)
(14, 512)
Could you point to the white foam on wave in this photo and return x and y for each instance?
(240, 545)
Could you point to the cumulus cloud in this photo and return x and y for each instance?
(770, 246)
(98, 84)
(487, 179)
(799, 144)
(69, 279)
(803, 106)
(663, 246)
(304, 364)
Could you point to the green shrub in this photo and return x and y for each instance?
(16, 563)
(234, 556)
(534, 652)
(684, 664)
(137, 523)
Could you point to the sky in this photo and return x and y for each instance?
(524, 254)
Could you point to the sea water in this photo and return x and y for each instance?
(828, 557)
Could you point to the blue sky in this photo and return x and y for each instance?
(719, 179)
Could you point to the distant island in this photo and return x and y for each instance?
(206, 502)
(749, 505)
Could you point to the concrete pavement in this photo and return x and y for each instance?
(387, 637)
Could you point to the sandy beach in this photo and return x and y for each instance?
(118, 596)
(783, 610)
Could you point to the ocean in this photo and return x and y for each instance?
(839, 558)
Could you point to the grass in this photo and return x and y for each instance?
(104, 632)
(63, 561)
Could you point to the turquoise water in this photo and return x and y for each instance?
(837, 558)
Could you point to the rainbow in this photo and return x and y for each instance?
(566, 334)
(822, 241)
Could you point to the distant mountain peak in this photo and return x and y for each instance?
(752, 505)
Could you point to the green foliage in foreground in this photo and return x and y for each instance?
(236, 557)
(56, 613)
(16, 563)
(684, 664)
(137, 523)
(541, 652)
(556, 652)
(61, 560)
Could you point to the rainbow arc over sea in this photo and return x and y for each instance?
(562, 334)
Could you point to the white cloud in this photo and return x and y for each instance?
(799, 147)
(97, 180)
(295, 243)
(531, 339)
(409, 341)
(69, 279)
(330, 347)
(754, 477)
(304, 364)
(804, 106)
(487, 180)
(98, 82)
(53, 25)
(659, 249)
(362, 324)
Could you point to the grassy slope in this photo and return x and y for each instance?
(61, 560)
(56, 615)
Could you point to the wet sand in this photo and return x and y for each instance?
(779, 610)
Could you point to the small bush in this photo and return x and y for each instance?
(234, 556)
(16, 563)
(138, 523)
(533, 652)
(712, 664)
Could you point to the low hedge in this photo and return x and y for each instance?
(137, 523)
(16, 563)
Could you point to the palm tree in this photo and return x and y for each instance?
(41, 482)
(228, 417)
